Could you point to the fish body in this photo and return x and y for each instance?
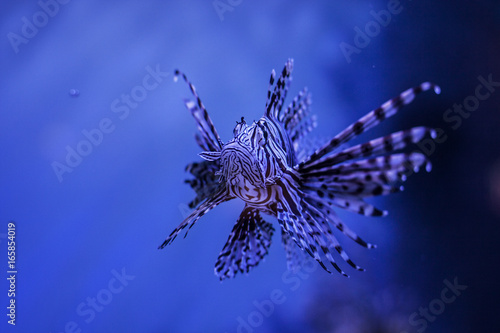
(265, 164)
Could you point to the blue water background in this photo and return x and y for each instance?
(77, 231)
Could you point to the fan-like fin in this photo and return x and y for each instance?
(294, 256)
(205, 182)
(388, 143)
(373, 118)
(219, 197)
(246, 246)
(209, 135)
(275, 100)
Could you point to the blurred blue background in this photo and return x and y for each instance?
(87, 240)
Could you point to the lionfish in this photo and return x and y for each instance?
(269, 167)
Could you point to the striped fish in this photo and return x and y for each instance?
(266, 165)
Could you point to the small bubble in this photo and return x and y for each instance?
(74, 92)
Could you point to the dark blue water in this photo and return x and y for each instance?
(95, 139)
